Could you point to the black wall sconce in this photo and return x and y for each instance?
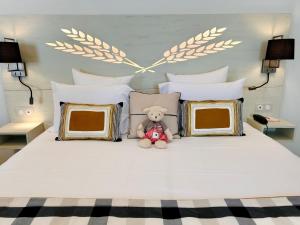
(278, 49)
(10, 53)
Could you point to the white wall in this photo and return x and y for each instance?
(3, 109)
(142, 7)
(291, 99)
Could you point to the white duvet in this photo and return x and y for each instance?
(192, 168)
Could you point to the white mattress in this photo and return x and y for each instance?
(192, 168)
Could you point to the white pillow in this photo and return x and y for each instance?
(81, 78)
(203, 92)
(216, 76)
(87, 94)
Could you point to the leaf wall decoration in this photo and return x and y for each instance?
(95, 48)
(194, 48)
(92, 48)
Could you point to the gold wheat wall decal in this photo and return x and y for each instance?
(194, 48)
(93, 48)
(97, 49)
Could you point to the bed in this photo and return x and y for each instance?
(251, 171)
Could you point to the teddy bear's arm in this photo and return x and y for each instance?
(140, 131)
(167, 131)
(142, 127)
(169, 134)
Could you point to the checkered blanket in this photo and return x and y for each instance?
(59, 211)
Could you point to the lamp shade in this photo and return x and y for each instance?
(279, 49)
(10, 52)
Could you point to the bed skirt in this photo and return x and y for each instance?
(44, 211)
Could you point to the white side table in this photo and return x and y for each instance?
(281, 130)
(15, 136)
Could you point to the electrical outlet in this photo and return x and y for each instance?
(264, 107)
(260, 107)
(28, 112)
(24, 111)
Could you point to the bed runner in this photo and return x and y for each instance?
(58, 211)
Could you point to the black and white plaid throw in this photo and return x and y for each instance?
(58, 211)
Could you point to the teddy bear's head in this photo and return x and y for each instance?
(155, 113)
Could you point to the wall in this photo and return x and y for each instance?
(290, 107)
(7, 31)
(4, 154)
(3, 109)
(142, 7)
(144, 39)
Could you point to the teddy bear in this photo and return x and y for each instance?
(153, 130)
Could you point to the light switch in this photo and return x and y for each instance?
(268, 107)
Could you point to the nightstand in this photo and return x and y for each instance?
(281, 130)
(15, 136)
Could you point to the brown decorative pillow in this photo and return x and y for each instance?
(139, 101)
(84, 121)
(211, 118)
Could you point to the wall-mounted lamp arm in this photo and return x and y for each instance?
(252, 88)
(31, 97)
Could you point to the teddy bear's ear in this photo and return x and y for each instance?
(164, 110)
(146, 110)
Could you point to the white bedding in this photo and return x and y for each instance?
(192, 168)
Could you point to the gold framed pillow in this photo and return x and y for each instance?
(211, 118)
(89, 122)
